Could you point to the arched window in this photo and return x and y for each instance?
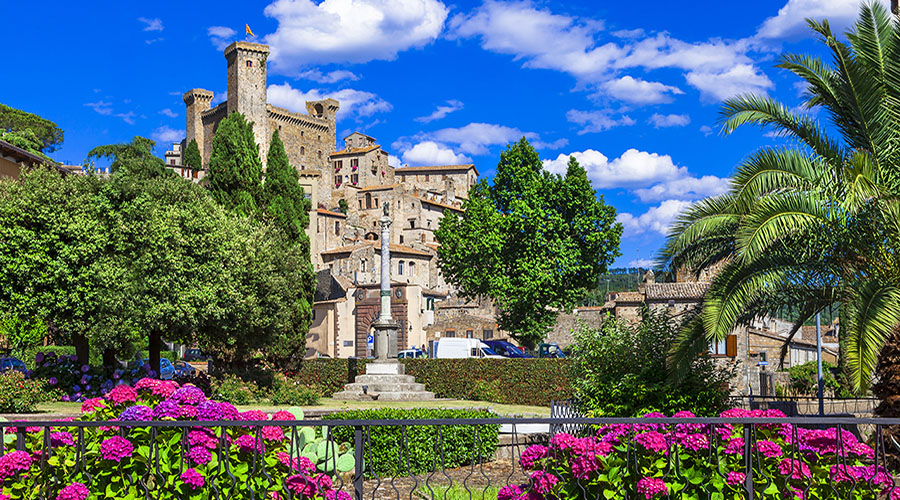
(320, 154)
(337, 228)
(249, 63)
(412, 269)
(400, 268)
(302, 150)
(368, 200)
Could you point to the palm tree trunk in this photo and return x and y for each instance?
(895, 6)
(887, 389)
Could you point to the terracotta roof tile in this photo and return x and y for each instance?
(354, 151)
(345, 249)
(325, 211)
(379, 188)
(680, 290)
(444, 168)
(437, 203)
(628, 297)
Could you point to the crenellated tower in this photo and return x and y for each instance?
(196, 102)
(247, 88)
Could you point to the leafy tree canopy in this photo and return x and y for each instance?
(534, 242)
(235, 170)
(135, 158)
(192, 157)
(43, 136)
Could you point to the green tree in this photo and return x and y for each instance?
(26, 140)
(235, 171)
(42, 135)
(192, 157)
(534, 242)
(134, 158)
(816, 223)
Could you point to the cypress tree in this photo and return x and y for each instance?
(235, 171)
(286, 205)
(192, 157)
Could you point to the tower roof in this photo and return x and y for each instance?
(246, 46)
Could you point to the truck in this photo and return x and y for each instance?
(463, 348)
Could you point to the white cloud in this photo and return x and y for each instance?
(166, 134)
(354, 103)
(633, 168)
(659, 121)
(656, 219)
(394, 161)
(637, 91)
(330, 77)
(790, 22)
(706, 129)
(557, 144)
(598, 120)
(353, 31)
(686, 188)
(740, 79)
(168, 112)
(221, 36)
(432, 153)
(154, 24)
(102, 107)
(644, 263)
(441, 111)
(127, 117)
(475, 138)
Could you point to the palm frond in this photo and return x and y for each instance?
(871, 317)
(777, 217)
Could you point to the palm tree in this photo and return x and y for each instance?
(816, 223)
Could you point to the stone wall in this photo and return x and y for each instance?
(566, 323)
(456, 182)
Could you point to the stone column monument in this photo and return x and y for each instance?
(385, 378)
(386, 328)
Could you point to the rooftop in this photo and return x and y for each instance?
(437, 203)
(354, 151)
(379, 188)
(436, 168)
(325, 211)
(679, 290)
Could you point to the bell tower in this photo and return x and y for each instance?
(247, 88)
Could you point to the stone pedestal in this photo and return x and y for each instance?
(386, 333)
(384, 380)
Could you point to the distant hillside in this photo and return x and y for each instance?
(623, 279)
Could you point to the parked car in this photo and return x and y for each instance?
(507, 349)
(167, 371)
(195, 355)
(412, 353)
(11, 363)
(550, 350)
(184, 370)
(463, 348)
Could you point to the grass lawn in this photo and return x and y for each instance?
(457, 492)
(332, 404)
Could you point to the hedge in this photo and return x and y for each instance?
(533, 382)
(393, 452)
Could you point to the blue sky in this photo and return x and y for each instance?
(632, 89)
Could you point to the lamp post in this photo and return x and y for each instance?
(819, 357)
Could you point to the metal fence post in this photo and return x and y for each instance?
(358, 462)
(748, 460)
(20, 438)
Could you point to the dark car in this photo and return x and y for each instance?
(195, 355)
(10, 363)
(506, 349)
(184, 370)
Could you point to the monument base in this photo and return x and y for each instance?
(384, 380)
(386, 333)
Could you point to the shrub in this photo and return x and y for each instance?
(288, 391)
(805, 380)
(423, 447)
(237, 462)
(655, 461)
(620, 371)
(74, 381)
(20, 395)
(232, 389)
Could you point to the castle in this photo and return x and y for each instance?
(347, 189)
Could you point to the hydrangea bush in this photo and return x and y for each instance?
(127, 460)
(76, 382)
(649, 461)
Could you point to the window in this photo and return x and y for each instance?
(320, 154)
(320, 137)
(412, 223)
(444, 177)
(412, 268)
(469, 334)
(429, 303)
(303, 152)
(338, 164)
(369, 200)
(348, 343)
(172, 161)
(487, 334)
(249, 63)
(400, 268)
(360, 204)
(376, 203)
(354, 179)
(717, 347)
(354, 163)
(362, 265)
(725, 347)
(401, 239)
(337, 227)
(337, 181)
(426, 177)
(450, 334)
(402, 177)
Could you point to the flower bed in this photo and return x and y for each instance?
(686, 460)
(126, 459)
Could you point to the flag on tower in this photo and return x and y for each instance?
(249, 33)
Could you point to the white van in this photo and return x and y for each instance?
(463, 348)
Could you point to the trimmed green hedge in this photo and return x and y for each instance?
(533, 382)
(392, 453)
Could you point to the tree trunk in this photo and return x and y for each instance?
(82, 348)
(109, 358)
(155, 348)
(887, 389)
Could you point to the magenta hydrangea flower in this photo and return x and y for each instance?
(199, 455)
(274, 434)
(249, 444)
(300, 464)
(13, 463)
(122, 394)
(61, 438)
(652, 441)
(562, 441)
(308, 487)
(251, 415)
(543, 482)
(510, 492)
(188, 412)
(688, 428)
(92, 404)
(768, 448)
(583, 465)
(533, 454)
(203, 437)
(736, 478)
(613, 433)
(193, 479)
(651, 487)
(694, 442)
(188, 395)
(74, 491)
(209, 410)
(229, 412)
(116, 448)
(794, 469)
(337, 495)
(735, 447)
(283, 415)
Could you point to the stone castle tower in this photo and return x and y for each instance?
(309, 138)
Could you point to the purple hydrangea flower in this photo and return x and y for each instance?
(137, 412)
(188, 395)
(39, 358)
(248, 444)
(166, 409)
(85, 368)
(209, 410)
(199, 455)
(53, 381)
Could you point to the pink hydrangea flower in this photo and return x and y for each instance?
(735, 447)
(251, 415)
(512, 492)
(694, 442)
(562, 442)
(308, 487)
(794, 469)
(61, 438)
(652, 441)
(13, 463)
(651, 487)
(768, 448)
(249, 444)
(193, 479)
(203, 437)
(543, 482)
(92, 404)
(532, 454)
(74, 491)
(584, 465)
(273, 434)
(116, 448)
(200, 455)
(283, 415)
(735, 478)
(122, 394)
(300, 464)
(337, 495)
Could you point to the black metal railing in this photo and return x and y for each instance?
(796, 406)
(611, 458)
